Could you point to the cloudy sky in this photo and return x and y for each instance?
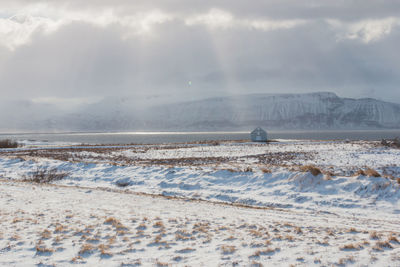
(71, 52)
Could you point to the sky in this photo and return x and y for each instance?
(69, 53)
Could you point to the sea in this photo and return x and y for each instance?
(183, 137)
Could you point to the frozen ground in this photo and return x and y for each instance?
(281, 214)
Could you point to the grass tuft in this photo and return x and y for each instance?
(373, 235)
(351, 247)
(381, 245)
(372, 173)
(312, 169)
(265, 170)
(226, 249)
(45, 175)
(86, 248)
(360, 173)
(393, 239)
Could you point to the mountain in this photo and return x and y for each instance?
(321, 110)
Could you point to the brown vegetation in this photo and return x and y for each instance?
(372, 173)
(395, 143)
(360, 173)
(7, 143)
(312, 169)
(45, 175)
(265, 170)
(373, 235)
(86, 248)
(351, 247)
(393, 239)
(226, 249)
(381, 245)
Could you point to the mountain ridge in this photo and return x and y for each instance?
(307, 111)
(320, 110)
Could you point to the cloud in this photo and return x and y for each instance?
(220, 19)
(370, 30)
(18, 29)
(70, 53)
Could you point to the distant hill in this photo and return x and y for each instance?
(279, 111)
(321, 110)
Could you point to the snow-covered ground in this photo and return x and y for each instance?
(254, 203)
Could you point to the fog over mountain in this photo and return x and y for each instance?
(281, 111)
(321, 110)
(73, 65)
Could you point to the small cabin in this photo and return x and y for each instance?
(258, 135)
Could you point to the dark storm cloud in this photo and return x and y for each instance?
(308, 9)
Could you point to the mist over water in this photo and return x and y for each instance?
(182, 137)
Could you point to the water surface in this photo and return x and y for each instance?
(180, 137)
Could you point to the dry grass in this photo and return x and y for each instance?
(323, 243)
(112, 240)
(40, 248)
(395, 143)
(76, 259)
(312, 169)
(201, 227)
(360, 173)
(157, 239)
(298, 230)
(289, 238)
(373, 235)
(381, 245)
(372, 173)
(226, 249)
(330, 232)
(16, 220)
(104, 250)
(161, 264)
(7, 143)
(266, 251)
(230, 238)
(181, 237)
(45, 175)
(351, 247)
(248, 169)
(60, 228)
(141, 226)
(256, 233)
(393, 239)
(111, 220)
(119, 227)
(207, 239)
(352, 230)
(121, 232)
(344, 261)
(86, 248)
(158, 224)
(46, 234)
(265, 170)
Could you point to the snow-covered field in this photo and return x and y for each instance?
(204, 204)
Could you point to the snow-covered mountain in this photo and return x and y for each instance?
(322, 110)
(281, 111)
